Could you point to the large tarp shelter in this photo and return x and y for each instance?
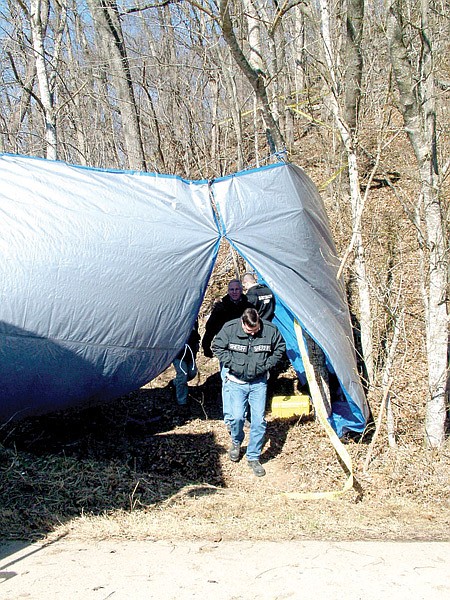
(103, 274)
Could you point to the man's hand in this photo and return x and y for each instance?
(261, 369)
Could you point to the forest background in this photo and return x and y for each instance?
(356, 93)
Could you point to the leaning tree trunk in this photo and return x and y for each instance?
(418, 109)
(346, 130)
(255, 77)
(354, 61)
(230, 86)
(110, 39)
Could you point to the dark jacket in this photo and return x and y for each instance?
(248, 356)
(263, 300)
(223, 311)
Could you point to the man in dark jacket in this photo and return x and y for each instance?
(230, 307)
(259, 295)
(248, 347)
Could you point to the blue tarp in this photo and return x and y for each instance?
(104, 272)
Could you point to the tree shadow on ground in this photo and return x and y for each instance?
(129, 453)
(276, 435)
(121, 455)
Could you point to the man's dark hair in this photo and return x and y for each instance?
(250, 317)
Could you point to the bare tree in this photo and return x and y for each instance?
(38, 15)
(345, 118)
(255, 77)
(353, 61)
(110, 40)
(416, 89)
(18, 108)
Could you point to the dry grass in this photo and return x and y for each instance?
(130, 470)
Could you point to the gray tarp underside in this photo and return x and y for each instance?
(103, 273)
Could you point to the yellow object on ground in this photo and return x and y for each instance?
(288, 406)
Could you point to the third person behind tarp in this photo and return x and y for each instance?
(262, 298)
(259, 295)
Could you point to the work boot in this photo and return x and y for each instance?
(257, 468)
(234, 452)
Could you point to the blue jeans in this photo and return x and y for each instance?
(242, 395)
(186, 370)
(225, 397)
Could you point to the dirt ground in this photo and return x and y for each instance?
(134, 470)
